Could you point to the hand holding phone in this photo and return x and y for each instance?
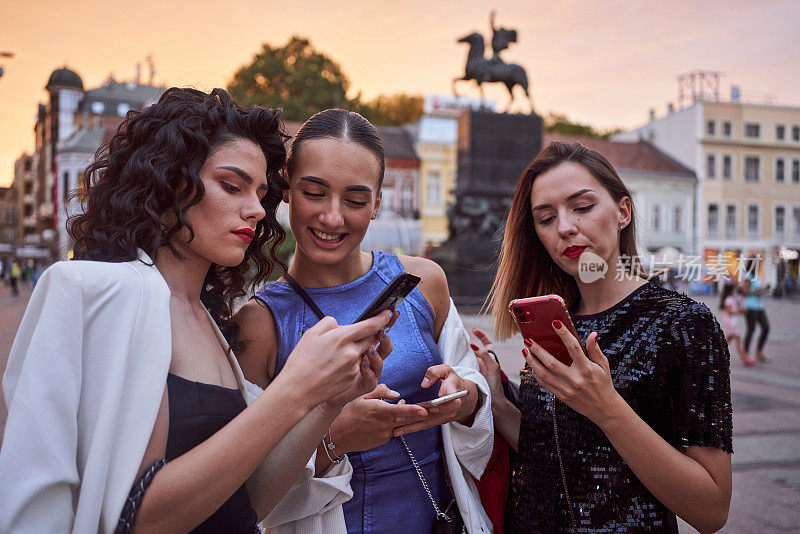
(535, 316)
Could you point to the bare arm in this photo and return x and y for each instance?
(284, 464)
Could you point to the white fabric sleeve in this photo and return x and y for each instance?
(42, 388)
(472, 444)
(312, 504)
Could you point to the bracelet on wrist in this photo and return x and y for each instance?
(330, 449)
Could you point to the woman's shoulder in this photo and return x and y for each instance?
(430, 271)
(673, 305)
(104, 278)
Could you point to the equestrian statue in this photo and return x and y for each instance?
(493, 70)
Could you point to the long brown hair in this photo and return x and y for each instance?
(526, 268)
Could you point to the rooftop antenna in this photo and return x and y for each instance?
(699, 85)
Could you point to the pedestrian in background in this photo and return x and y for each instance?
(732, 305)
(753, 289)
(14, 277)
(638, 428)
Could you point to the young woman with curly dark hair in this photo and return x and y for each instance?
(122, 377)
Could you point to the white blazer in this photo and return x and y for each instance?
(83, 386)
(313, 504)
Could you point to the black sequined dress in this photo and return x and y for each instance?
(670, 362)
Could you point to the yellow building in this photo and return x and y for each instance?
(747, 160)
(436, 146)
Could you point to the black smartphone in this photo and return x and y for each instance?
(400, 286)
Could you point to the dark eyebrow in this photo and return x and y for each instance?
(243, 175)
(325, 183)
(364, 188)
(315, 180)
(571, 197)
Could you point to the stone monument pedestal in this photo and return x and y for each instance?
(493, 150)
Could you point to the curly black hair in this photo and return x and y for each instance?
(150, 168)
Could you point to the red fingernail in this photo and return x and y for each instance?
(528, 342)
(525, 352)
(474, 346)
(556, 324)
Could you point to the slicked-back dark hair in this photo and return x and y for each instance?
(338, 124)
(150, 169)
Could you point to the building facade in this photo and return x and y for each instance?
(747, 160)
(437, 145)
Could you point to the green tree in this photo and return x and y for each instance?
(559, 123)
(393, 110)
(295, 77)
(303, 81)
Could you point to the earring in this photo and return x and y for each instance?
(621, 226)
(374, 215)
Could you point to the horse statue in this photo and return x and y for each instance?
(482, 70)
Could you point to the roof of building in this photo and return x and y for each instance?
(639, 156)
(112, 93)
(64, 78)
(397, 142)
(86, 140)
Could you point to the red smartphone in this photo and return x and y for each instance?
(535, 316)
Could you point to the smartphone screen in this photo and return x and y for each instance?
(535, 316)
(391, 297)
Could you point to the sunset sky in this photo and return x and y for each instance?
(604, 63)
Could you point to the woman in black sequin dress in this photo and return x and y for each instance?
(638, 428)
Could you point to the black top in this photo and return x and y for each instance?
(196, 412)
(670, 362)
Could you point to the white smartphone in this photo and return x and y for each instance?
(441, 400)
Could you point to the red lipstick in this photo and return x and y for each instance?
(573, 251)
(245, 234)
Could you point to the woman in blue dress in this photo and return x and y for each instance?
(335, 171)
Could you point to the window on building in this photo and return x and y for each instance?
(387, 198)
(779, 170)
(752, 130)
(795, 171)
(65, 188)
(730, 221)
(727, 167)
(28, 210)
(713, 220)
(81, 187)
(434, 188)
(752, 167)
(711, 162)
(677, 219)
(655, 219)
(727, 128)
(796, 221)
(780, 222)
(407, 198)
(795, 133)
(28, 188)
(752, 220)
(780, 132)
(711, 127)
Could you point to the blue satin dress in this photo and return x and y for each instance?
(387, 493)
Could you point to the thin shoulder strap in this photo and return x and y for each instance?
(302, 292)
